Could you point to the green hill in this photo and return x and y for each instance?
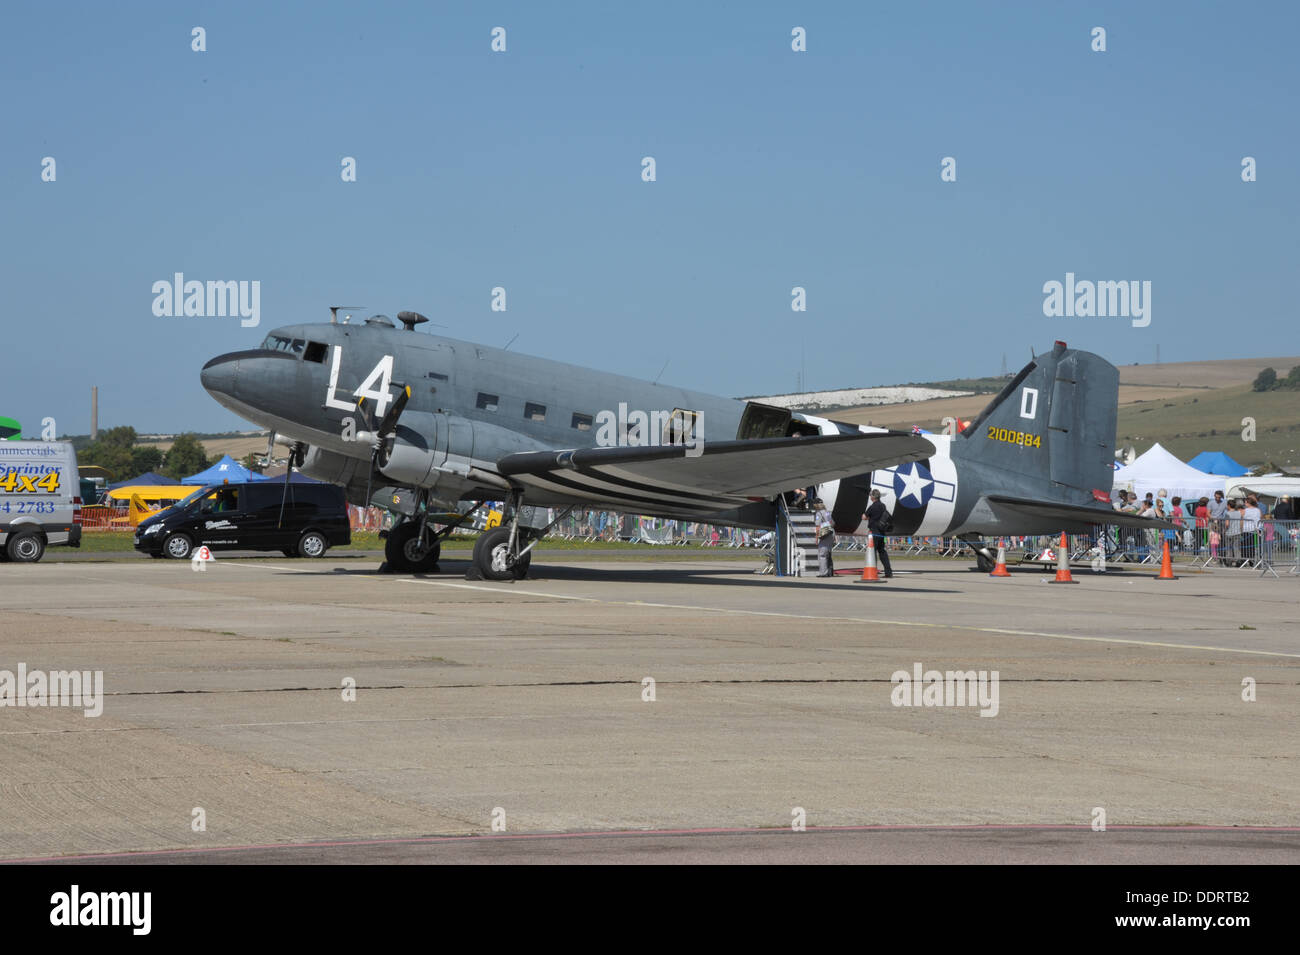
(1210, 420)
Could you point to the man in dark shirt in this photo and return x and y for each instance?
(875, 514)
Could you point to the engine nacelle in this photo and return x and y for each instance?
(408, 458)
(333, 468)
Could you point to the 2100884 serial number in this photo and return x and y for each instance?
(1022, 438)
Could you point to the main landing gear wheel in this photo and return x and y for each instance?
(407, 554)
(983, 562)
(492, 556)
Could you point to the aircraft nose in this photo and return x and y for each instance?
(219, 375)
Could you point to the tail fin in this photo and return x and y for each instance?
(1053, 424)
(139, 510)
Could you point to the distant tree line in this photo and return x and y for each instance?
(1267, 380)
(116, 452)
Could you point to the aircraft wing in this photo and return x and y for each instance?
(724, 474)
(1080, 513)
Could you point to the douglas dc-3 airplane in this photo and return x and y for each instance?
(416, 421)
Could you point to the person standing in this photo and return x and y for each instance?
(879, 524)
(1202, 515)
(1250, 518)
(825, 528)
(1232, 534)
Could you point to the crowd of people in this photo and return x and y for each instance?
(1233, 531)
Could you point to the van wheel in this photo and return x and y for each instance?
(313, 544)
(25, 547)
(177, 546)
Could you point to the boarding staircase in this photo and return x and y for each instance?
(796, 533)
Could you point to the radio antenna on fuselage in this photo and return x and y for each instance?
(334, 312)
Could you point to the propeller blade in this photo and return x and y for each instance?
(366, 417)
(389, 423)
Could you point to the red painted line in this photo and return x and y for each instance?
(534, 836)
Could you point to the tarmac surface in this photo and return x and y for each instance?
(524, 705)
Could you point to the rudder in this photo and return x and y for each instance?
(1053, 423)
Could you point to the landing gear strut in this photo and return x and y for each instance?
(413, 547)
(984, 558)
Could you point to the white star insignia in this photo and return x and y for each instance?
(913, 485)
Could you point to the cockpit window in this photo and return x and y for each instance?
(315, 352)
(280, 343)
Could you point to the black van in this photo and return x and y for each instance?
(248, 517)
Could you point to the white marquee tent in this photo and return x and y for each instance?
(1157, 469)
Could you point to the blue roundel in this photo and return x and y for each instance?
(913, 486)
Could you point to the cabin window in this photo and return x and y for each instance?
(682, 427)
(534, 412)
(487, 402)
(315, 352)
(581, 422)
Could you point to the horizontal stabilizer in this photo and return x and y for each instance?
(1074, 513)
(717, 474)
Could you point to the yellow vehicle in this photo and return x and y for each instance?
(145, 500)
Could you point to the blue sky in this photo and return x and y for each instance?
(522, 169)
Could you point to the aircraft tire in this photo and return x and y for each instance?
(403, 554)
(982, 563)
(490, 552)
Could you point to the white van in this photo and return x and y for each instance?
(40, 498)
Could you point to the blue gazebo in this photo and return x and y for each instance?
(1216, 462)
(148, 479)
(227, 470)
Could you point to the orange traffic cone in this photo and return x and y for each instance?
(1166, 565)
(1000, 568)
(1063, 563)
(869, 573)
